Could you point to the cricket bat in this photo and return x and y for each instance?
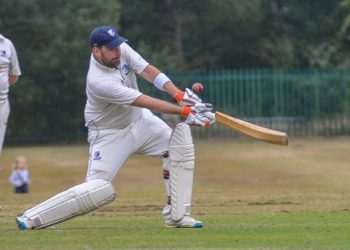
(252, 130)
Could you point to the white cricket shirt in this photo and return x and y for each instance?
(111, 91)
(8, 65)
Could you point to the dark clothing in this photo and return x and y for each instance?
(22, 189)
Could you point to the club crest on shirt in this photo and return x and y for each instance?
(97, 155)
(125, 69)
(3, 53)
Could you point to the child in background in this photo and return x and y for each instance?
(20, 177)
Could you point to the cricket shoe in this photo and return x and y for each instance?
(23, 223)
(185, 222)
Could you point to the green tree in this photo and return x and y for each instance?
(337, 51)
(52, 42)
(51, 38)
(233, 33)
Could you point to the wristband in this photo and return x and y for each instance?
(186, 111)
(160, 80)
(179, 96)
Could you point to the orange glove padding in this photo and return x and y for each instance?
(186, 111)
(186, 98)
(179, 96)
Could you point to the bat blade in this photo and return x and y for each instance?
(252, 130)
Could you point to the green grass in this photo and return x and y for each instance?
(250, 195)
(292, 231)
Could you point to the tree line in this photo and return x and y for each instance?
(51, 38)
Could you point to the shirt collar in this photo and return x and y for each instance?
(105, 68)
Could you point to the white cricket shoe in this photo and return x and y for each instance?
(185, 222)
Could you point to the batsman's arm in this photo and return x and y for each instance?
(192, 114)
(150, 73)
(162, 82)
(156, 105)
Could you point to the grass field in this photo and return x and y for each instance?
(250, 195)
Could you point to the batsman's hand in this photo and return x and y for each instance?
(201, 107)
(187, 98)
(198, 119)
(199, 115)
(198, 108)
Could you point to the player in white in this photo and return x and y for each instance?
(120, 123)
(9, 74)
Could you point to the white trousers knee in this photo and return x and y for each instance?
(110, 148)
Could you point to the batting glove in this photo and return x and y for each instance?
(198, 115)
(187, 98)
(196, 119)
(201, 107)
(198, 108)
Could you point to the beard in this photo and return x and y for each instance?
(110, 63)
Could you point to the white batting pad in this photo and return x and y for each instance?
(181, 155)
(75, 201)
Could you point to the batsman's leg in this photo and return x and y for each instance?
(109, 149)
(75, 201)
(181, 168)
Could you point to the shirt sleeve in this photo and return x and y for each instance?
(112, 92)
(14, 64)
(134, 59)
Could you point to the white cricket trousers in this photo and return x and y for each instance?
(4, 115)
(110, 148)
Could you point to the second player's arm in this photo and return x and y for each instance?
(13, 79)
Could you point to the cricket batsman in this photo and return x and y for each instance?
(120, 123)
